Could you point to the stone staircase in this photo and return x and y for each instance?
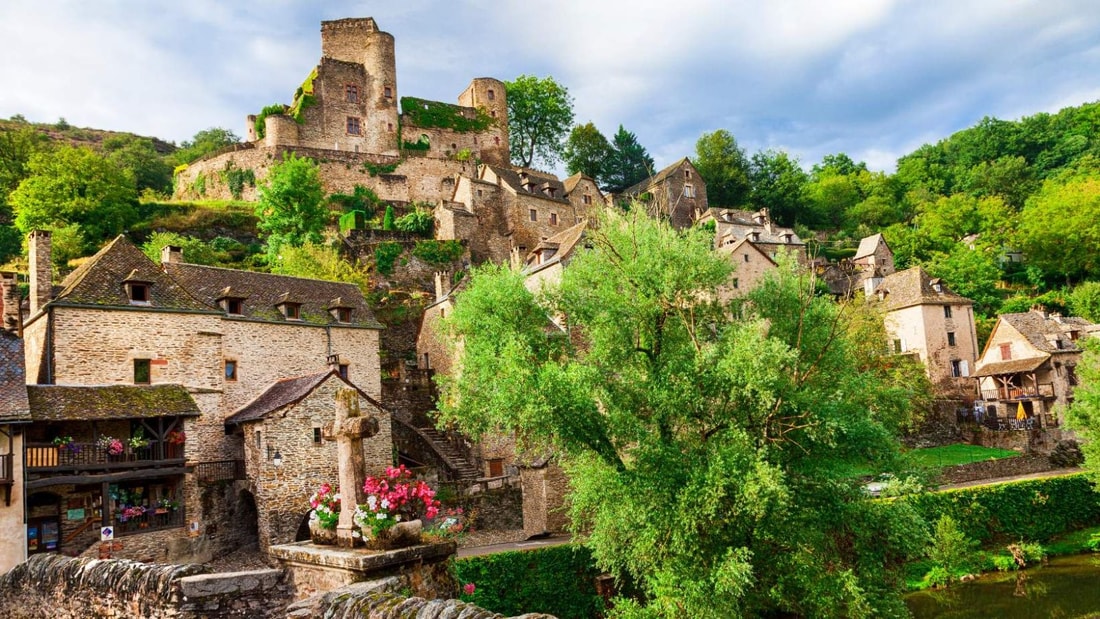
(464, 470)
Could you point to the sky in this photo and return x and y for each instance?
(871, 78)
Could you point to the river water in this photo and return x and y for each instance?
(1067, 587)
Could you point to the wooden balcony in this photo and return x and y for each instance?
(1042, 391)
(84, 463)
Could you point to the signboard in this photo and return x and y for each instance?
(106, 534)
(75, 514)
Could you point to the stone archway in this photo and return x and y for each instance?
(248, 516)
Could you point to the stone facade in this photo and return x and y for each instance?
(307, 460)
(12, 524)
(676, 194)
(925, 318)
(545, 488)
(751, 266)
(92, 334)
(732, 226)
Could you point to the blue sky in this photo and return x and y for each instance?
(872, 78)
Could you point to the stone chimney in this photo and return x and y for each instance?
(41, 269)
(171, 254)
(439, 291)
(10, 313)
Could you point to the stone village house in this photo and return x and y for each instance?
(1027, 370)
(676, 194)
(157, 357)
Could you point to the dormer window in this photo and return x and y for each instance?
(231, 301)
(292, 311)
(340, 310)
(137, 290)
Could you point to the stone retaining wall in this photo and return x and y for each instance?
(991, 469)
(67, 588)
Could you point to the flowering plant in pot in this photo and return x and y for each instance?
(176, 437)
(325, 515)
(395, 503)
(111, 445)
(66, 443)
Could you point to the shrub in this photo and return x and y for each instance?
(260, 125)
(360, 199)
(385, 254)
(388, 218)
(417, 222)
(559, 581)
(442, 115)
(950, 550)
(438, 252)
(1036, 509)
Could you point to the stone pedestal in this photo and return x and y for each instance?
(313, 569)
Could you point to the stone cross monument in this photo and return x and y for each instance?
(349, 430)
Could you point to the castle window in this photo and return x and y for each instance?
(496, 140)
(353, 125)
(946, 311)
(316, 436)
(553, 219)
(533, 214)
(387, 92)
(492, 95)
(587, 199)
(230, 370)
(951, 338)
(1006, 351)
(689, 191)
(141, 372)
(351, 93)
(342, 369)
(389, 127)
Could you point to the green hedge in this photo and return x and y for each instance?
(1033, 510)
(385, 254)
(560, 580)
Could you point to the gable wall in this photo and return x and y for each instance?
(282, 494)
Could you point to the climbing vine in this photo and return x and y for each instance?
(426, 114)
(259, 125)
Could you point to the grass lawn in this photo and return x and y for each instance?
(959, 453)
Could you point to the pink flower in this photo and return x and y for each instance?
(469, 588)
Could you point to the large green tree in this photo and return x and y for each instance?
(75, 186)
(705, 444)
(587, 151)
(724, 167)
(629, 163)
(291, 209)
(140, 156)
(1083, 415)
(540, 113)
(204, 142)
(779, 184)
(1059, 228)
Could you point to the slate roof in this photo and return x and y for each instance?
(511, 177)
(571, 183)
(1010, 367)
(564, 242)
(14, 406)
(744, 219)
(65, 403)
(729, 248)
(262, 292)
(285, 392)
(99, 280)
(915, 287)
(656, 178)
(1042, 331)
(867, 246)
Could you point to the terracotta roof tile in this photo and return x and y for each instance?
(14, 405)
(285, 392)
(65, 403)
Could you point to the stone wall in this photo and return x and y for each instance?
(990, 469)
(544, 492)
(12, 524)
(66, 588)
(499, 509)
(1038, 441)
(282, 493)
(379, 599)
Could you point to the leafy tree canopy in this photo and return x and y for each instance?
(75, 186)
(724, 167)
(587, 151)
(205, 142)
(1065, 210)
(140, 157)
(1083, 415)
(779, 184)
(629, 163)
(540, 113)
(291, 209)
(705, 444)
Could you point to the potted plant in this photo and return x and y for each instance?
(391, 516)
(325, 515)
(175, 440)
(138, 440)
(111, 445)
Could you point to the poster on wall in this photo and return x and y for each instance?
(32, 539)
(50, 535)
